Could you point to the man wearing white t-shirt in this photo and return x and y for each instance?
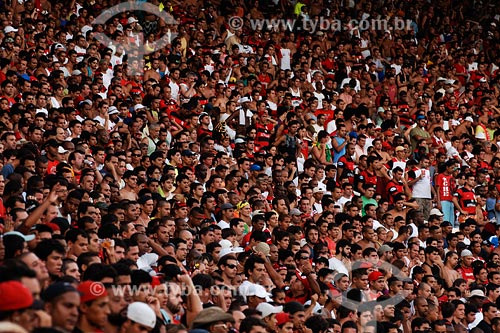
(421, 184)
(342, 251)
(174, 86)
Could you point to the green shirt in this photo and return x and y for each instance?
(367, 201)
(417, 131)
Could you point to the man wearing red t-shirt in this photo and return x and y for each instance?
(461, 71)
(345, 165)
(396, 185)
(464, 198)
(445, 186)
(55, 154)
(304, 284)
(465, 268)
(369, 175)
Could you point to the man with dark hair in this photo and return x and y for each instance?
(94, 307)
(253, 325)
(132, 250)
(254, 269)
(87, 259)
(78, 243)
(342, 255)
(51, 252)
(62, 300)
(129, 191)
(228, 266)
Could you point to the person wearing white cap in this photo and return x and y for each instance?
(140, 319)
(10, 31)
(269, 314)
(255, 294)
(465, 268)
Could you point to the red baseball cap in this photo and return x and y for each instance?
(90, 290)
(366, 265)
(282, 318)
(374, 276)
(14, 296)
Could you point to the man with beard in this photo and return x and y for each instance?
(341, 261)
(385, 253)
(117, 307)
(61, 303)
(174, 303)
(132, 211)
(160, 231)
(94, 307)
(209, 204)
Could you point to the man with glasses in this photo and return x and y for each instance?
(228, 266)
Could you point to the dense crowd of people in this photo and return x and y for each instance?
(250, 178)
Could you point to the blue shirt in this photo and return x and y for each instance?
(338, 155)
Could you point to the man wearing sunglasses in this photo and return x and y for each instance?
(228, 267)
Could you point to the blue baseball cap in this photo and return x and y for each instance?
(255, 167)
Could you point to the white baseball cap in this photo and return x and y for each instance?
(132, 20)
(230, 250)
(225, 244)
(267, 309)
(9, 29)
(435, 211)
(141, 313)
(138, 107)
(113, 110)
(27, 238)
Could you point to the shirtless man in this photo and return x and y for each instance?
(208, 90)
(377, 145)
(153, 72)
(387, 45)
(222, 97)
(401, 207)
(128, 192)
